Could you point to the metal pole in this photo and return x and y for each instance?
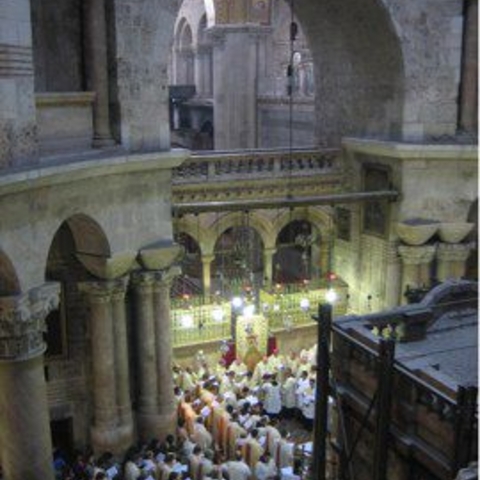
(324, 320)
(386, 358)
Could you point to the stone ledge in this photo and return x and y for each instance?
(118, 163)
(411, 151)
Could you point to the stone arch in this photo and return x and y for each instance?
(322, 225)
(318, 217)
(184, 60)
(260, 224)
(78, 250)
(9, 284)
(348, 58)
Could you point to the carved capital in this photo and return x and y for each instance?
(22, 321)
(165, 277)
(453, 252)
(142, 280)
(103, 291)
(416, 255)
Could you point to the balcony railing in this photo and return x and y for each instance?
(217, 166)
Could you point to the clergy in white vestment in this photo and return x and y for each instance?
(201, 436)
(272, 400)
(237, 469)
(265, 469)
(288, 393)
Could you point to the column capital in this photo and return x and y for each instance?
(453, 252)
(167, 275)
(22, 321)
(416, 255)
(160, 257)
(209, 258)
(102, 291)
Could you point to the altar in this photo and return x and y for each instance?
(251, 336)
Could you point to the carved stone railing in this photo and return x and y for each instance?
(217, 166)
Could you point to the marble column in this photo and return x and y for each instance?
(105, 429)
(25, 439)
(451, 260)
(163, 337)
(415, 266)
(97, 69)
(268, 254)
(207, 275)
(122, 383)
(147, 378)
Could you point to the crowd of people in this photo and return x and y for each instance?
(230, 425)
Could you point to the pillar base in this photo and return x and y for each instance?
(156, 425)
(111, 439)
(100, 142)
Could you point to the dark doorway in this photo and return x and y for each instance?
(62, 436)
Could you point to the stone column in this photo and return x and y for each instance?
(415, 266)
(97, 69)
(207, 275)
(268, 254)
(25, 439)
(146, 350)
(469, 82)
(18, 142)
(124, 404)
(393, 280)
(105, 428)
(235, 84)
(163, 337)
(452, 258)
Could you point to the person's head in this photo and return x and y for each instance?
(174, 476)
(169, 458)
(197, 450)
(238, 456)
(254, 433)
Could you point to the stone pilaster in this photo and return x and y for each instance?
(105, 431)
(25, 441)
(452, 258)
(415, 265)
(18, 142)
(235, 92)
(207, 274)
(469, 82)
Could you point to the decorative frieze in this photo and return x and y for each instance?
(22, 322)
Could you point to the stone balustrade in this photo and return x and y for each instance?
(226, 166)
